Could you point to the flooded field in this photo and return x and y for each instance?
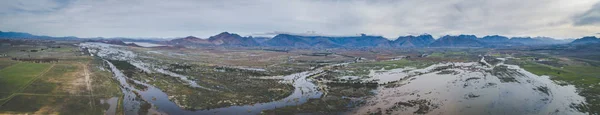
(470, 88)
(443, 88)
(304, 90)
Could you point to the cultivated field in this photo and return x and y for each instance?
(54, 81)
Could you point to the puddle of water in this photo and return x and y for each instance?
(145, 44)
(385, 76)
(112, 108)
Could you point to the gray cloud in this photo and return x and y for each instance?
(590, 17)
(203, 18)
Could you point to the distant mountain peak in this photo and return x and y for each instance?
(457, 41)
(287, 40)
(494, 38)
(232, 39)
(589, 37)
(191, 37)
(225, 35)
(586, 40)
(413, 41)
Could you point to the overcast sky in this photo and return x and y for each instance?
(389, 18)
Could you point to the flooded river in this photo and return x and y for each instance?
(304, 89)
(445, 88)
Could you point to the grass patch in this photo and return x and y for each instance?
(56, 81)
(14, 77)
(42, 87)
(388, 65)
(102, 81)
(4, 95)
(64, 49)
(314, 106)
(5, 62)
(125, 67)
(436, 54)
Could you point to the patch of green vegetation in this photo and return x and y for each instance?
(388, 65)
(324, 105)
(497, 55)
(42, 87)
(592, 71)
(436, 54)
(120, 108)
(2, 101)
(4, 96)
(17, 76)
(63, 49)
(24, 104)
(125, 67)
(235, 92)
(102, 79)
(5, 62)
(448, 54)
(56, 77)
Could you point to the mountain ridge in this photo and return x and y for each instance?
(363, 40)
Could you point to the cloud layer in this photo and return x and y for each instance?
(390, 18)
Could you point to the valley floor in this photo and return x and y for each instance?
(97, 78)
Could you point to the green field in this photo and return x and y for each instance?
(17, 76)
(5, 62)
(54, 81)
(74, 85)
(60, 90)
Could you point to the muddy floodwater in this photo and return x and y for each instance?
(470, 88)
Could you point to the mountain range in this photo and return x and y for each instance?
(21, 35)
(222, 39)
(412, 41)
(300, 41)
(425, 40)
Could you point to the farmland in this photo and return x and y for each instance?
(72, 85)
